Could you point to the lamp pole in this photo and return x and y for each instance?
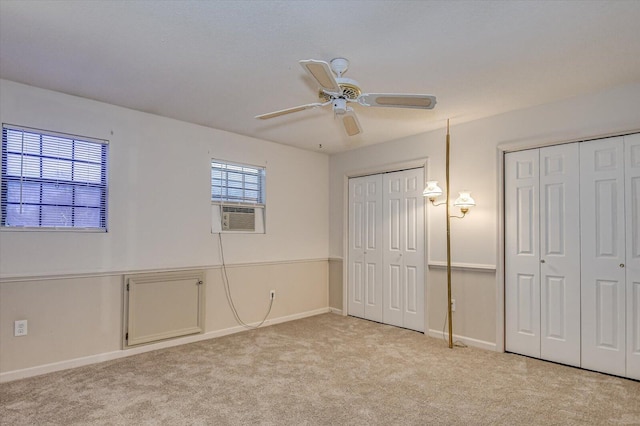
(449, 316)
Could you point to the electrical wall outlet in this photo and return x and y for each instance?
(453, 305)
(20, 328)
(272, 294)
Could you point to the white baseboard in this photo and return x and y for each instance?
(108, 356)
(466, 340)
(336, 311)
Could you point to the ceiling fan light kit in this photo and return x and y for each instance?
(339, 106)
(338, 91)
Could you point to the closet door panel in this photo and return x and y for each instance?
(560, 254)
(356, 266)
(365, 247)
(603, 290)
(527, 320)
(404, 249)
(633, 321)
(522, 253)
(632, 264)
(393, 234)
(413, 250)
(373, 250)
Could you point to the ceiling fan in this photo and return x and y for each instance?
(339, 91)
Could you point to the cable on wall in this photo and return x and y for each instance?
(227, 290)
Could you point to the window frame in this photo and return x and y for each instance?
(71, 184)
(239, 201)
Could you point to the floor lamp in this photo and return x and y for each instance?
(464, 202)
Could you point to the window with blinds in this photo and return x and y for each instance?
(53, 180)
(237, 183)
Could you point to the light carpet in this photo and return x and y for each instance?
(322, 370)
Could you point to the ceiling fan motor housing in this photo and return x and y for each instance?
(350, 90)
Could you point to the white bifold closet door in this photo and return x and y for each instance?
(610, 207)
(403, 241)
(542, 247)
(632, 198)
(572, 254)
(522, 242)
(603, 255)
(386, 248)
(365, 247)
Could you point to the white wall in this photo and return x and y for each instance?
(159, 193)
(69, 285)
(474, 166)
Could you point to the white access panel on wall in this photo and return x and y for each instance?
(365, 247)
(603, 255)
(632, 198)
(162, 305)
(403, 240)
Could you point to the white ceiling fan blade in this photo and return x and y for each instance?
(351, 123)
(396, 100)
(321, 72)
(290, 110)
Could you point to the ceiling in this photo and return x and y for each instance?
(220, 63)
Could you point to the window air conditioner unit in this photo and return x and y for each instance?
(238, 218)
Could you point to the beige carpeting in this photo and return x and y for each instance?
(322, 370)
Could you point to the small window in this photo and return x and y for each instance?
(237, 183)
(52, 180)
(237, 198)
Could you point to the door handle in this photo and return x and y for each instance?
(542, 261)
(622, 265)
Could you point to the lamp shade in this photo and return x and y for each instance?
(432, 189)
(464, 200)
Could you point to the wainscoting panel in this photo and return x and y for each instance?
(78, 319)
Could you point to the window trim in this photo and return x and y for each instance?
(259, 208)
(103, 185)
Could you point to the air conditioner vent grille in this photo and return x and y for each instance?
(229, 209)
(238, 219)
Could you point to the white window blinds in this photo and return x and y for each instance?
(52, 180)
(237, 183)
